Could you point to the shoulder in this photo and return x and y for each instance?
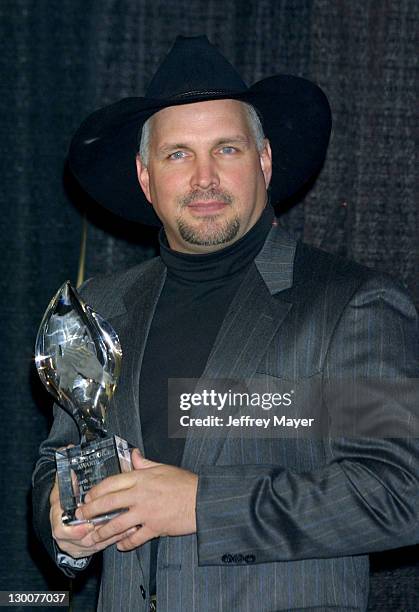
(307, 264)
(323, 281)
(322, 269)
(357, 307)
(365, 297)
(314, 264)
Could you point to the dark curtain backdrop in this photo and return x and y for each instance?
(61, 60)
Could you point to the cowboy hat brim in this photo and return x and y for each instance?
(296, 119)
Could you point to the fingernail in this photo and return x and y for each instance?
(87, 498)
(79, 514)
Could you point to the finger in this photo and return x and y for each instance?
(71, 533)
(106, 504)
(137, 538)
(115, 540)
(59, 529)
(139, 462)
(111, 484)
(117, 526)
(55, 516)
(55, 494)
(75, 483)
(55, 506)
(90, 541)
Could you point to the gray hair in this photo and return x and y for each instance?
(253, 118)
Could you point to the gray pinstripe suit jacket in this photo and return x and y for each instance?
(306, 511)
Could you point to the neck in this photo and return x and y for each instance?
(222, 263)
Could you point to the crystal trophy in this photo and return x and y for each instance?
(78, 358)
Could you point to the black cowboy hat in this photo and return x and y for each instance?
(295, 116)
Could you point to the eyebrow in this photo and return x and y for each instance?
(235, 139)
(167, 146)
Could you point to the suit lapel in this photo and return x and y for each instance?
(133, 327)
(251, 322)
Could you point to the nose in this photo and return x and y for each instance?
(204, 174)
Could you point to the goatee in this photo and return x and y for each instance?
(209, 230)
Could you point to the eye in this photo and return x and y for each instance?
(228, 150)
(177, 155)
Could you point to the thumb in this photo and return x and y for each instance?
(139, 462)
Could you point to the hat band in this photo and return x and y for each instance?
(204, 92)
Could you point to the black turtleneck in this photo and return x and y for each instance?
(194, 300)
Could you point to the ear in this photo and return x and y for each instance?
(266, 162)
(143, 177)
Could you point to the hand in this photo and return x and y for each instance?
(160, 499)
(75, 540)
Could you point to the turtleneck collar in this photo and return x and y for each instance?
(223, 263)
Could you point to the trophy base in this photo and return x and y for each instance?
(81, 467)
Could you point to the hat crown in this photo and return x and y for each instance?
(194, 66)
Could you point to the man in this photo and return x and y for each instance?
(233, 523)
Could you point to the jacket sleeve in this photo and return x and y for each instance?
(366, 496)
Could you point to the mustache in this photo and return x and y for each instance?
(206, 196)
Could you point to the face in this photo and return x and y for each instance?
(205, 178)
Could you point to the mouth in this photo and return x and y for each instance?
(210, 207)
